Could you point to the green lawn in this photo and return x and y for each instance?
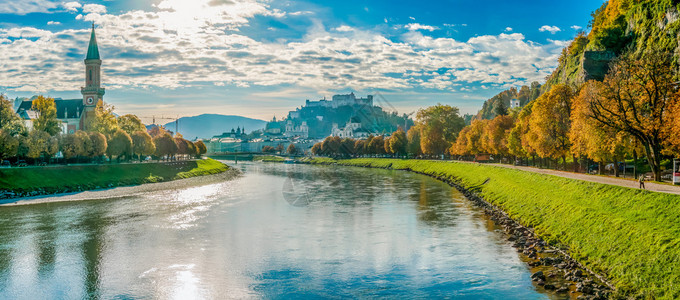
(632, 236)
(59, 178)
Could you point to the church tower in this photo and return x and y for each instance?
(92, 92)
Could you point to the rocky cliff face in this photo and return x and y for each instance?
(618, 27)
(595, 65)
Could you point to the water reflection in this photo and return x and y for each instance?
(279, 231)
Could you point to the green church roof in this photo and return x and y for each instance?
(93, 50)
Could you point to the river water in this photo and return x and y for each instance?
(279, 231)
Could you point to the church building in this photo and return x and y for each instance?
(73, 113)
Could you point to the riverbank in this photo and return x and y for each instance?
(30, 182)
(629, 235)
(126, 191)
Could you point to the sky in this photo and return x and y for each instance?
(263, 58)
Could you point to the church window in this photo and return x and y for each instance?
(90, 74)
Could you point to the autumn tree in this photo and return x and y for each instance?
(120, 144)
(292, 150)
(440, 125)
(98, 145)
(550, 122)
(347, 147)
(359, 147)
(635, 98)
(39, 144)
(47, 115)
(316, 149)
(474, 143)
(520, 137)
(142, 144)
(460, 146)
(182, 147)
(495, 138)
(165, 145)
(376, 145)
(398, 142)
(201, 148)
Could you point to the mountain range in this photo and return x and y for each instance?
(209, 125)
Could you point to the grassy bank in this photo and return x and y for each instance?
(268, 158)
(47, 180)
(631, 236)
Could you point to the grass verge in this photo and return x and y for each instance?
(631, 236)
(49, 180)
(268, 158)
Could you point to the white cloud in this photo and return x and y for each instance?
(94, 9)
(190, 44)
(551, 29)
(412, 18)
(344, 28)
(53, 23)
(416, 26)
(576, 27)
(508, 28)
(22, 7)
(72, 6)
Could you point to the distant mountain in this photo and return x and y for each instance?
(209, 125)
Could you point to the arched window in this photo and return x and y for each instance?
(90, 75)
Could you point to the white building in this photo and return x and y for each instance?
(351, 130)
(514, 103)
(292, 130)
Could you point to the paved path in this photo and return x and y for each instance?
(655, 187)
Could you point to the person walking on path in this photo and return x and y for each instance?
(642, 182)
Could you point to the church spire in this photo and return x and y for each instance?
(93, 50)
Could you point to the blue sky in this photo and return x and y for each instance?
(263, 58)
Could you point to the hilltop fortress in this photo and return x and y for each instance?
(335, 102)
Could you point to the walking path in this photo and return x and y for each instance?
(629, 183)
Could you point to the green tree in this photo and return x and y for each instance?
(71, 145)
(120, 144)
(440, 125)
(47, 116)
(8, 145)
(131, 124)
(142, 144)
(40, 144)
(413, 136)
(10, 122)
(377, 145)
(103, 120)
(398, 142)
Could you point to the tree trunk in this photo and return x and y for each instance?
(616, 167)
(654, 160)
(576, 165)
(635, 158)
(600, 167)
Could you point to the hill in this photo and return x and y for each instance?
(208, 125)
(618, 27)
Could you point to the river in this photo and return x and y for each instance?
(278, 231)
